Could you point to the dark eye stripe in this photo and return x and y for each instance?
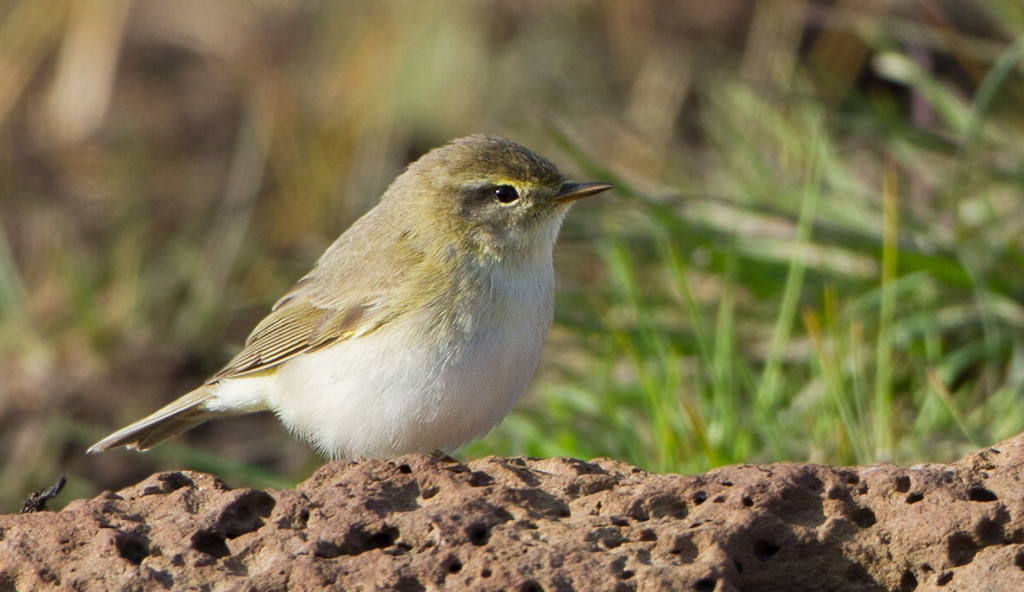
(505, 194)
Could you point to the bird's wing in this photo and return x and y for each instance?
(295, 328)
(351, 292)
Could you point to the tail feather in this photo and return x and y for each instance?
(188, 411)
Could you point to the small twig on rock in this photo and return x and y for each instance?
(37, 501)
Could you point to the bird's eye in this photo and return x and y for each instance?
(505, 194)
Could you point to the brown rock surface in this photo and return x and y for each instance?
(522, 524)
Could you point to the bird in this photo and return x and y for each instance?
(418, 329)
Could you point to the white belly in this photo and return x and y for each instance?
(397, 391)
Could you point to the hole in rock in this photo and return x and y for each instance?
(478, 533)
(382, 539)
(981, 494)
(174, 481)
(246, 514)
(409, 584)
(661, 506)
(747, 502)
(914, 498)
(357, 541)
(210, 543)
(700, 497)
(452, 565)
(46, 575)
(944, 578)
(908, 583)
(990, 532)
(1018, 559)
(863, 517)
(705, 585)
(404, 469)
(857, 573)
(764, 550)
(486, 572)
(961, 549)
(326, 550)
(531, 586)
(132, 547)
(812, 483)
(903, 484)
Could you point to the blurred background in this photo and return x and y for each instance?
(814, 252)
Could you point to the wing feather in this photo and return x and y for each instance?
(352, 291)
(292, 330)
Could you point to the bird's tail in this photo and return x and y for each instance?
(187, 411)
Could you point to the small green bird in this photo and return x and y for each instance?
(419, 328)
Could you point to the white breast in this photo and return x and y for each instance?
(398, 390)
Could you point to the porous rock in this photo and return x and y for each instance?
(414, 523)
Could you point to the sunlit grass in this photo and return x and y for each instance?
(845, 324)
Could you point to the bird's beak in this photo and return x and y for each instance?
(570, 192)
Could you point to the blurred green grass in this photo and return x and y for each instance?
(814, 252)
